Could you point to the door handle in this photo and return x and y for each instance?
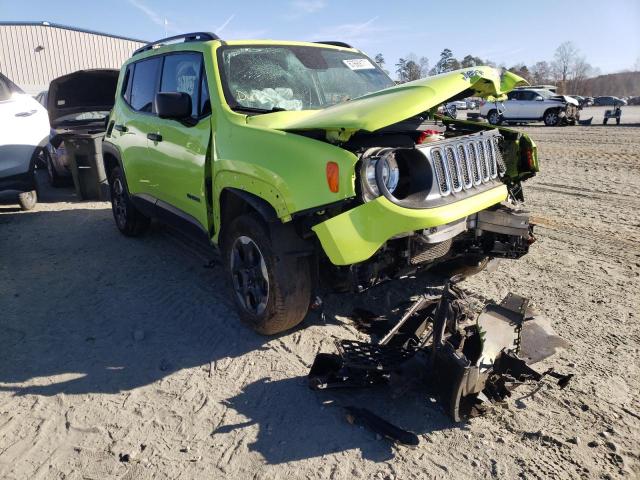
(156, 137)
(121, 128)
(26, 114)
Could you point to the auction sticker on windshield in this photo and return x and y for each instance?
(358, 64)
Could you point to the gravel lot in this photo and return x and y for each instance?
(123, 358)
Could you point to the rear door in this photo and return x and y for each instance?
(180, 148)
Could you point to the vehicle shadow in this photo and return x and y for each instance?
(82, 309)
(297, 423)
(85, 310)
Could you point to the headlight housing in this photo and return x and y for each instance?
(389, 170)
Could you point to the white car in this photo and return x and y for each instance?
(525, 105)
(24, 132)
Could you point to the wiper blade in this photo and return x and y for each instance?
(240, 108)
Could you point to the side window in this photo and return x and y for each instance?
(528, 96)
(180, 73)
(512, 95)
(205, 101)
(143, 87)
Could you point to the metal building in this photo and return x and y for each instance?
(34, 53)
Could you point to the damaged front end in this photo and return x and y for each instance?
(462, 358)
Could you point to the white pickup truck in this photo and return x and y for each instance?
(525, 105)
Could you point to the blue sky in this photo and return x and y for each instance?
(607, 32)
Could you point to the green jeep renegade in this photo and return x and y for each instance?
(310, 168)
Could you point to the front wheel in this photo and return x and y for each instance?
(494, 118)
(551, 118)
(28, 200)
(271, 291)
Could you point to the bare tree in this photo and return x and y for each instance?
(563, 60)
(414, 72)
(541, 73)
(580, 71)
(424, 66)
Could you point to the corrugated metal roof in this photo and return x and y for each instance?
(34, 53)
(75, 29)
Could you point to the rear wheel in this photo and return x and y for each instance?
(551, 118)
(271, 291)
(129, 219)
(55, 180)
(494, 117)
(28, 200)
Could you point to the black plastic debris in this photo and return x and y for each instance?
(441, 343)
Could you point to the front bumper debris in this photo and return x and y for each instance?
(354, 236)
(463, 359)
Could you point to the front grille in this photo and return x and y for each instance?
(438, 164)
(465, 167)
(465, 162)
(453, 169)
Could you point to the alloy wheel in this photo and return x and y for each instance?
(249, 274)
(119, 203)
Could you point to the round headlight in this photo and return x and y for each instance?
(390, 172)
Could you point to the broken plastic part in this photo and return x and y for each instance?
(463, 360)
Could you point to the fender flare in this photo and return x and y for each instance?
(109, 148)
(259, 204)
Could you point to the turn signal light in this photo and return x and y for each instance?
(529, 157)
(333, 176)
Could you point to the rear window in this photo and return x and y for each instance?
(144, 85)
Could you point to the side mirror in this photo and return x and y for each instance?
(539, 99)
(175, 105)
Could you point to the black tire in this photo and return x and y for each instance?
(551, 118)
(55, 180)
(272, 292)
(494, 117)
(28, 200)
(129, 220)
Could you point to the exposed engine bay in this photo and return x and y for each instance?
(438, 164)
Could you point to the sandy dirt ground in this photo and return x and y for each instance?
(124, 358)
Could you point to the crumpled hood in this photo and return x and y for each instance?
(80, 92)
(392, 105)
(566, 99)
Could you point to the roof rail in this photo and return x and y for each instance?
(335, 44)
(188, 37)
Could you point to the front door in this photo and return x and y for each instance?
(134, 124)
(179, 148)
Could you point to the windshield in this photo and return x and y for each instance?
(273, 78)
(546, 93)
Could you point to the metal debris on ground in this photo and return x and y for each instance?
(441, 343)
